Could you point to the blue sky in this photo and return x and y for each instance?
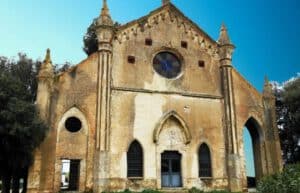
(265, 32)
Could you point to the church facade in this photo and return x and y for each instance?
(158, 106)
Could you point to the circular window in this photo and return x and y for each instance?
(73, 124)
(167, 64)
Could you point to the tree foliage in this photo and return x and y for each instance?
(288, 114)
(21, 131)
(287, 181)
(90, 39)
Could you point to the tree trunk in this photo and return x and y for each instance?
(6, 180)
(25, 180)
(16, 184)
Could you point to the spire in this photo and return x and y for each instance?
(224, 37)
(104, 18)
(46, 69)
(48, 57)
(165, 2)
(268, 90)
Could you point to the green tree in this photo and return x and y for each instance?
(90, 41)
(21, 131)
(288, 114)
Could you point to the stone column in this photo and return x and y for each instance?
(273, 149)
(105, 32)
(226, 49)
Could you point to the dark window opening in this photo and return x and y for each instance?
(131, 59)
(204, 161)
(201, 63)
(73, 124)
(184, 44)
(148, 42)
(70, 173)
(167, 64)
(135, 160)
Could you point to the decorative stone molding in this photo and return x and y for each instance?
(168, 14)
(187, 135)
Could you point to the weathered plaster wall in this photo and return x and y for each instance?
(74, 88)
(248, 105)
(136, 118)
(141, 75)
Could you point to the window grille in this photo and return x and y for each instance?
(135, 160)
(204, 161)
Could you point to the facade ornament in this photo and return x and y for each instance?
(225, 45)
(224, 37)
(105, 29)
(165, 2)
(268, 90)
(104, 18)
(46, 70)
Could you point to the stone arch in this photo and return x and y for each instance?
(135, 159)
(257, 138)
(256, 127)
(204, 150)
(72, 146)
(74, 111)
(165, 117)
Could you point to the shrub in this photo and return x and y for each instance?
(151, 191)
(288, 181)
(195, 190)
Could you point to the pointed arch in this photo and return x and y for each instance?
(254, 128)
(159, 125)
(257, 144)
(135, 160)
(73, 112)
(204, 160)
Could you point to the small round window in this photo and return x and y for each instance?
(73, 124)
(167, 64)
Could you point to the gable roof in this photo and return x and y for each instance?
(167, 7)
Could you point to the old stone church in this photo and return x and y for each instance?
(158, 106)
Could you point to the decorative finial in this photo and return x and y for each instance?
(46, 70)
(165, 2)
(104, 18)
(104, 10)
(266, 80)
(224, 37)
(268, 89)
(48, 57)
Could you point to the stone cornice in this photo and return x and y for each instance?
(187, 94)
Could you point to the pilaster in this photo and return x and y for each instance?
(39, 178)
(105, 33)
(274, 158)
(226, 49)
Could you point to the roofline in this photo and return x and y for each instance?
(169, 6)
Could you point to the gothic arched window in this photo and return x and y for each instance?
(135, 160)
(204, 161)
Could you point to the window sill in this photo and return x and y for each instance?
(206, 178)
(135, 178)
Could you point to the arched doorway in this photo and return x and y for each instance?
(171, 169)
(171, 136)
(252, 138)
